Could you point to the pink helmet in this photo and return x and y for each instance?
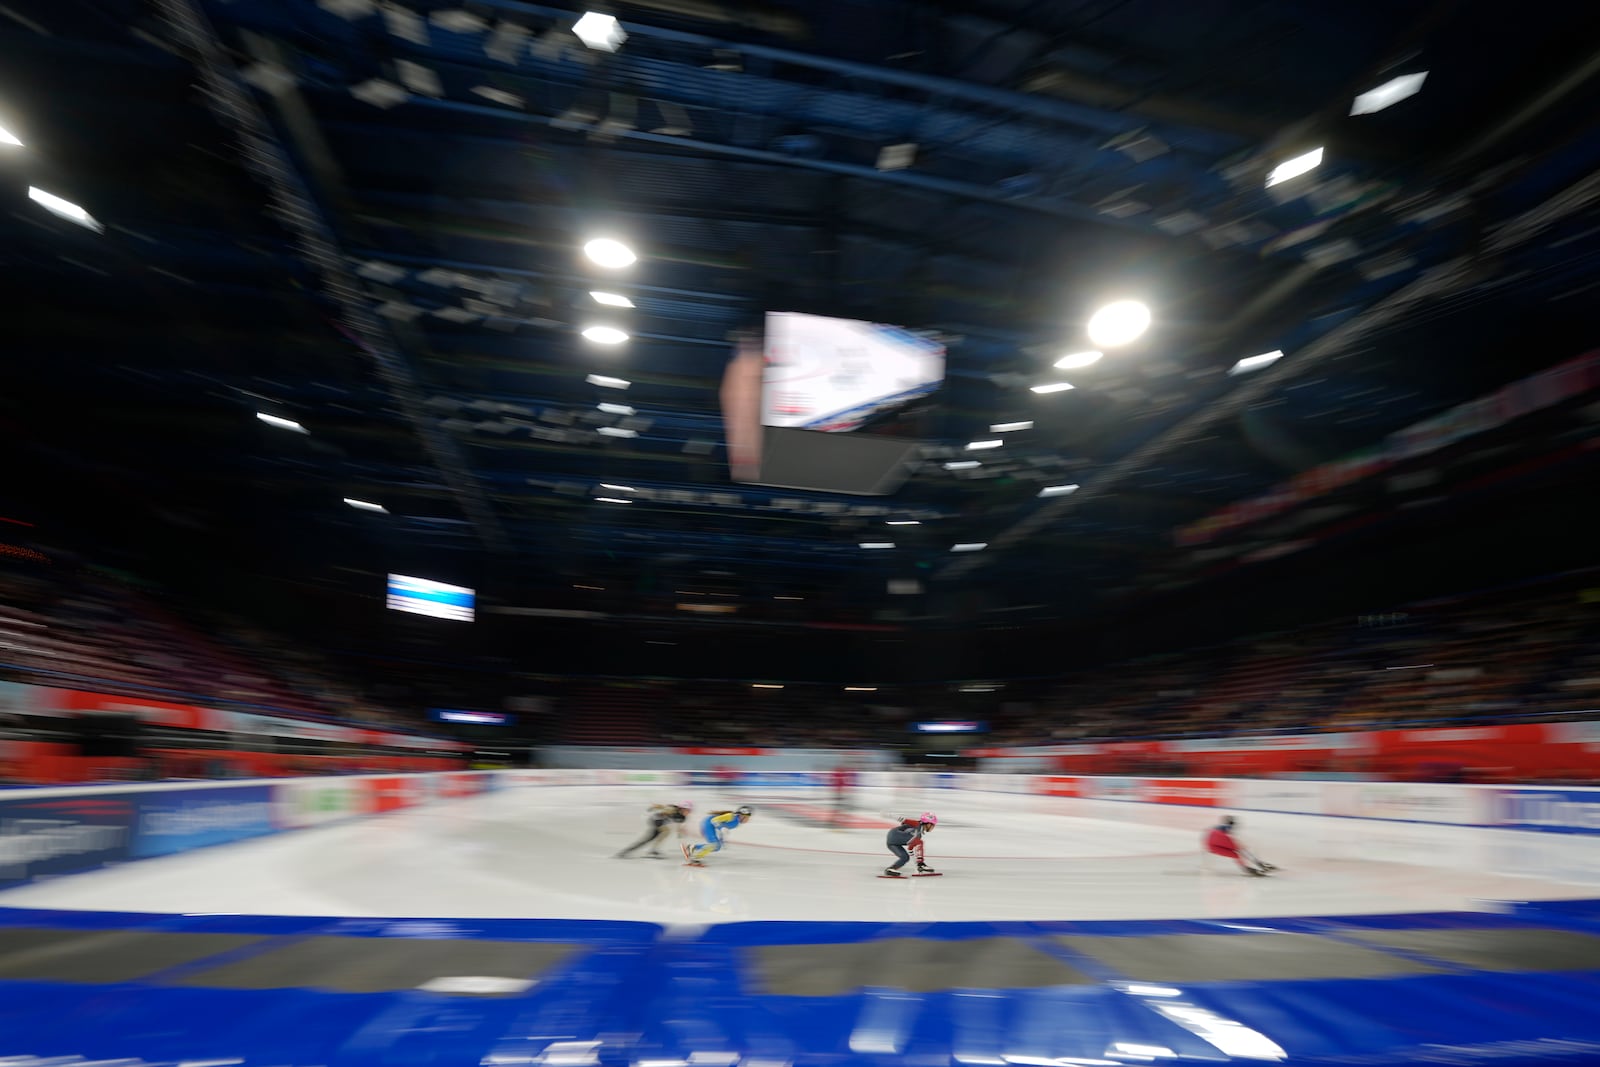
(928, 818)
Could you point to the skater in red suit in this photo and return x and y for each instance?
(906, 838)
(1221, 842)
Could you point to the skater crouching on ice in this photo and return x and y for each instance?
(1221, 842)
(907, 838)
(716, 825)
(661, 820)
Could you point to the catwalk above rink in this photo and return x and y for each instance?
(499, 929)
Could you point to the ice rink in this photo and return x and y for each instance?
(535, 852)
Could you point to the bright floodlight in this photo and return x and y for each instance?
(1250, 363)
(903, 522)
(612, 300)
(605, 335)
(366, 505)
(877, 544)
(607, 382)
(615, 431)
(1119, 323)
(1007, 427)
(962, 465)
(1053, 387)
(970, 546)
(7, 137)
(1074, 360)
(618, 488)
(979, 446)
(281, 423)
(617, 409)
(604, 252)
(600, 31)
(1389, 93)
(1058, 490)
(612, 500)
(1293, 168)
(64, 208)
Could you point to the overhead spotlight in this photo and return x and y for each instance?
(616, 409)
(618, 488)
(1293, 168)
(1250, 363)
(1058, 490)
(281, 423)
(1074, 360)
(605, 335)
(903, 522)
(605, 381)
(615, 431)
(612, 500)
(764, 685)
(606, 252)
(962, 465)
(970, 546)
(612, 300)
(7, 137)
(1052, 387)
(1118, 323)
(64, 208)
(600, 32)
(1389, 93)
(876, 544)
(979, 446)
(1008, 427)
(860, 689)
(366, 505)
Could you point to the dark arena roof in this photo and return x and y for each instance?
(368, 220)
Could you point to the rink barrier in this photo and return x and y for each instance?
(65, 830)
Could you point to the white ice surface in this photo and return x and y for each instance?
(546, 852)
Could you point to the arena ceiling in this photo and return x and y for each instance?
(367, 218)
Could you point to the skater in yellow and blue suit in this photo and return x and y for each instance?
(716, 825)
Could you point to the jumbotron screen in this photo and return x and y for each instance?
(835, 374)
(423, 596)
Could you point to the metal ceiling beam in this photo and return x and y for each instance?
(294, 206)
(1439, 281)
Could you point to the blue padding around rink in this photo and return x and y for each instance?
(637, 992)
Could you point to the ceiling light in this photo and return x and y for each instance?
(1250, 363)
(979, 446)
(764, 685)
(1389, 93)
(366, 505)
(7, 137)
(903, 522)
(618, 488)
(1058, 490)
(970, 546)
(605, 335)
(612, 500)
(616, 409)
(1053, 387)
(615, 431)
(281, 423)
(606, 382)
(1119, 323)
(962, 465)
(788, 598)
(1073, 360)
(1293, 168)
(64, 208)
(860, 689)
(877, 544)
(600, 32)
(1007, 427)
(604, 252)
(611, 300)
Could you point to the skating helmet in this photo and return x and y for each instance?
(928, 818)
(1227, 822)
(744, 810)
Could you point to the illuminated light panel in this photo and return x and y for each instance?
(617, 409)
(962, 465)
(877, 544)
(1293, 168)
(1058, 490)
(1073, 360)
(1250, 363)
(607, 382)
(65, 209)
(281, 423)
(1389, 93)
(1053, 387)
(605, 335)
(606, 252)
(612, 500)
(970, 546)
(615, 431)
(618, 488)
(601, 32)
(611, 300)
(979, 446)
(366, 505)
(1008, 427)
